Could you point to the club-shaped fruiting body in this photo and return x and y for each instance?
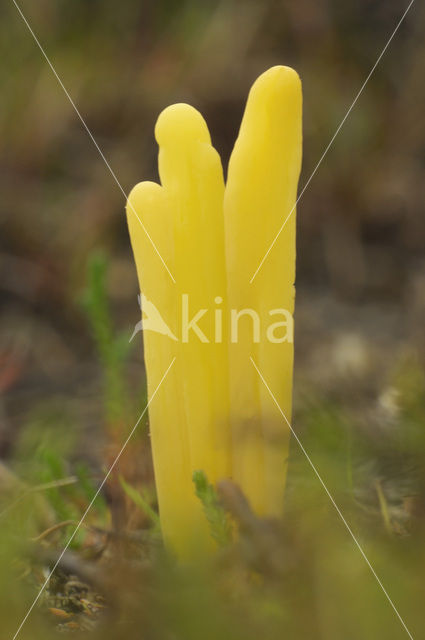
(212, 411)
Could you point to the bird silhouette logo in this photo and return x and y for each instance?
(151, 319)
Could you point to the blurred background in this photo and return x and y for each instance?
(361, 224)
(360, 306)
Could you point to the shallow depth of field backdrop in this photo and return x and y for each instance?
(360, 306)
